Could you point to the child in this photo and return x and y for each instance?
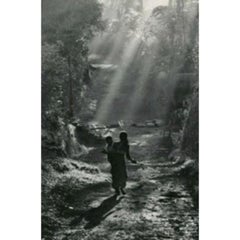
(108, 148)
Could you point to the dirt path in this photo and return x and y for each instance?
(157, 204)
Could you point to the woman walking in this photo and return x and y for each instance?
(116, 153)
(119, 172)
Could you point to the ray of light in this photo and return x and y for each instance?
(98, 41)
(139, 93)
(117, 46)
(117, 80)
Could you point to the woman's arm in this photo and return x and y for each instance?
(128, 155)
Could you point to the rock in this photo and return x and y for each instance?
(60, 167)
(75, 165)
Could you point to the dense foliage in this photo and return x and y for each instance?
(67, 27)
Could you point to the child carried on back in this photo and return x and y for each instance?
(109, 148)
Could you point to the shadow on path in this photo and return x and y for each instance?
(94, 216)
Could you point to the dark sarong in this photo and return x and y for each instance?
(118, 170)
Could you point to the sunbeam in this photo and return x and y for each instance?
(128, 56)
(136, 98)
(126, 93)
(117, 80)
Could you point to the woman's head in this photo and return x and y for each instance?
(123, 137)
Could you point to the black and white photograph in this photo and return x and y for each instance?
(119, 120)
(119, 86)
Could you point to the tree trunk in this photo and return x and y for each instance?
(70, 80)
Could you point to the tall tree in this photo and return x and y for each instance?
(72, 23)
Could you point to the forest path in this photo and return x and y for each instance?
(157, 204)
